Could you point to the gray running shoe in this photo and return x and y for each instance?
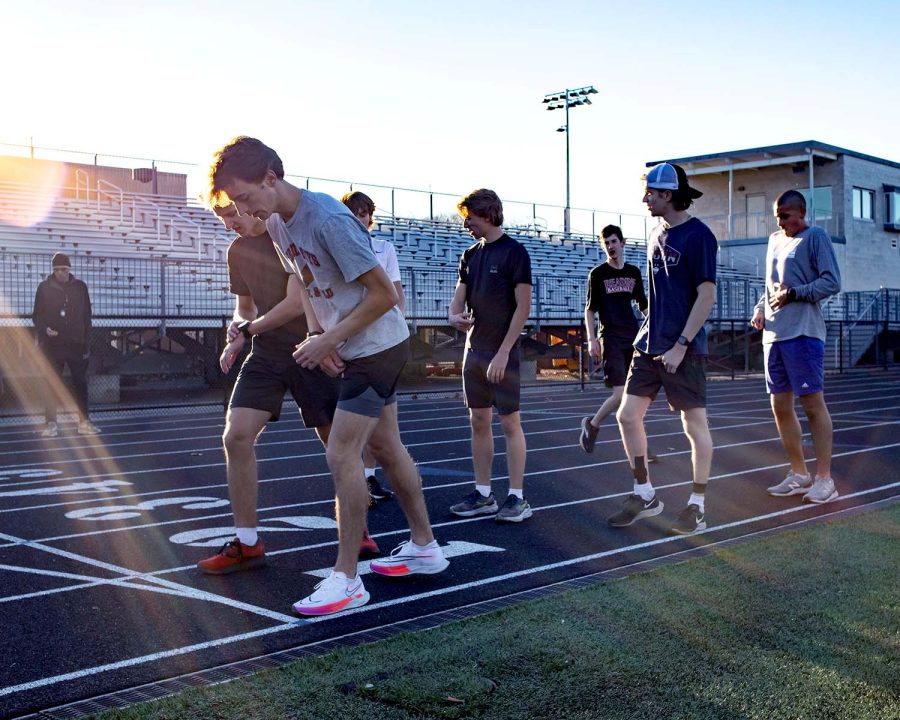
(690, 520)
(514, 510)
(793, 484)
(475, 504)
(822, 491)
(588, 435)
(635, 508)
(52, 430)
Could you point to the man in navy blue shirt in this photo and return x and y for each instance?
(671, 344)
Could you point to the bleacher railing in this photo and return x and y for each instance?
(166, 288)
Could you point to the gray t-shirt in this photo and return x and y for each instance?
(328, 249)
(806, 263)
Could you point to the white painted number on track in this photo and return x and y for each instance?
(124, 512)
(215, 537)
(104, 486)
(454, 548)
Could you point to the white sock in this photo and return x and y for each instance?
(518, 493)
(247, 536)
(430, 546)
(342, 576)
(485, 490)
(698, 500)
(370, 472)
(645, 491)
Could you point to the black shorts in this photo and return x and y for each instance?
(479, 393)
(369, 383)
(262, 383)
(616, 354)
(685, 388)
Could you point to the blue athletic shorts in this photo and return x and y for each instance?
(796, 365)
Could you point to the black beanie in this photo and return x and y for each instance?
(60, 260)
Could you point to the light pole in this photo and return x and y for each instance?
(558, 101)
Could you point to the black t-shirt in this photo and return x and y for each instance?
(255, 270)
(690, 260)
(490, 272)
(610, 293)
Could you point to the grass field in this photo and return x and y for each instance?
(801, 624)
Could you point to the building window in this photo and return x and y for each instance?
(822, 198)
(863, 204)
(892, 209)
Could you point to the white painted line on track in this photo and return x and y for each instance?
(182, 590)
(143, 659)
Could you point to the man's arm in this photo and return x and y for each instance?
(289, 308)
(456, 313)
(590, 326)
(706, 298)
(497, 369)
(380, 297)
(401, 298)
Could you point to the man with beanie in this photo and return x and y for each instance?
(62, 320)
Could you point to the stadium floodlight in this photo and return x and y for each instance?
(565, 100)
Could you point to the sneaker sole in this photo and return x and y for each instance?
(642, 514)
(245, 565)
(527, 513)
(793, 491)
(381, 497)
(833, 496)
(486, 510)
(332, 608)
(403, 570)
(700, 526)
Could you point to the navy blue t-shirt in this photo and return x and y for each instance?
(490, 272)
(690, 260)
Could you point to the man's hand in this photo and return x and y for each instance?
(672, 358)
(758, 320)
(314, 350)
(497, 369)
(230, 353)
(51, 332)
(461, 321)
(594, 349)
(232, 332)
(332, 365)
(779, 297)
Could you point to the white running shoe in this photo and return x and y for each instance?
(333, 594)
(793, 484)
(88, 428)
(405, 559)
(52, 430)
(822, 491)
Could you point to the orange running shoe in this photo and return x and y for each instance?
(235, 556)
(368, 546)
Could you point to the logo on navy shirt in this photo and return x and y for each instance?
(673, 256)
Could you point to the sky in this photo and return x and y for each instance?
(447, 96)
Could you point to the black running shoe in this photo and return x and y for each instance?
(635, 508)
(690, 520)
(376, 491)
(588, 435)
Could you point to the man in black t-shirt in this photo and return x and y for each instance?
(270, 311)
(612, 287)
(495, 284)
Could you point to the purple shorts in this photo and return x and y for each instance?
(796, 365)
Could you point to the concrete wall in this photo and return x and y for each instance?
(867, 259)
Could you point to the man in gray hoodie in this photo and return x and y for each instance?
(802, 271)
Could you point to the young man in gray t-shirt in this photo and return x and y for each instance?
(802, 271)
(355, 330)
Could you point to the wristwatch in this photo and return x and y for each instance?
(682, 340)
(244, 327)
